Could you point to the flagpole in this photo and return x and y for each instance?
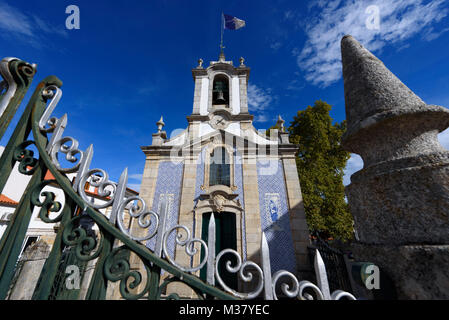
(222, 31)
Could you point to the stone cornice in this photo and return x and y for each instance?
(232, 117)
(198, 72)
(191, 151)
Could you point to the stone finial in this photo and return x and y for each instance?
(160, 124)
(370, 88)
(222, 57)
(373, 94)
(160, 136)
(200, 64)
(242, 60)
(280, 123)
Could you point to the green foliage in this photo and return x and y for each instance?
(320, 163)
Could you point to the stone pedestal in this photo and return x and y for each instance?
(400, 199)
(418, 271)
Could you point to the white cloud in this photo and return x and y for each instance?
(48, 28)
(354, 164)
(261, 118)
(259, 101)
(12, 20)
(27, 28)
(258, 98)
(320, 57)
(275, 45)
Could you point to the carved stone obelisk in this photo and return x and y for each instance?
(400, 199)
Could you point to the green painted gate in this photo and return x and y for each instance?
(115, 248)
(73, 245)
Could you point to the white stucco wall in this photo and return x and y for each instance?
(235, 95)
(204, 95)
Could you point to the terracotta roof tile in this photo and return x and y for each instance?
(5, 200)
(49, 176)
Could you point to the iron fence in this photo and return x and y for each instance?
(76, 245)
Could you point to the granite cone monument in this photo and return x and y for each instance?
(400, 199)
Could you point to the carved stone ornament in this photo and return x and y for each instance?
(218, 201)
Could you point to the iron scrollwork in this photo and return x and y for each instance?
(189, 244)
(14, 72)
(117, 268)
(48, 204)
(239, 268)
(25, 157)
(102, 183)
(75, 235)
(142, 215)
(173, 295)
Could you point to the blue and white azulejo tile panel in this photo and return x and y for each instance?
(274, 216)
(168, 188)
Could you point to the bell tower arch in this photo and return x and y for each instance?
(220, 86)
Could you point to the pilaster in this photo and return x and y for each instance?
(298, 223)
(252, 211)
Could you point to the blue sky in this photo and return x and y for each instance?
(130, 62)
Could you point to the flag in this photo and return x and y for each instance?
(232, 23)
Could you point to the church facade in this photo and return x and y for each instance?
(221, 164)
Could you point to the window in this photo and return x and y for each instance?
(28, 242)
(220, 168)
(220, 92)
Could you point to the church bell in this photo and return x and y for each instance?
(219, 87)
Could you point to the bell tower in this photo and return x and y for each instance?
(220, 99)
(220, 86)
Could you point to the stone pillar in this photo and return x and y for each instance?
(252, 209)
(32, 260)
(297, 215)
(243, 82)
(400, 199)
(197, 95)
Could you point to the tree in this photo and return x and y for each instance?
(320, 163)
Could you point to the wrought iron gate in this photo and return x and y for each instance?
(112, 261)
(336, 265)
